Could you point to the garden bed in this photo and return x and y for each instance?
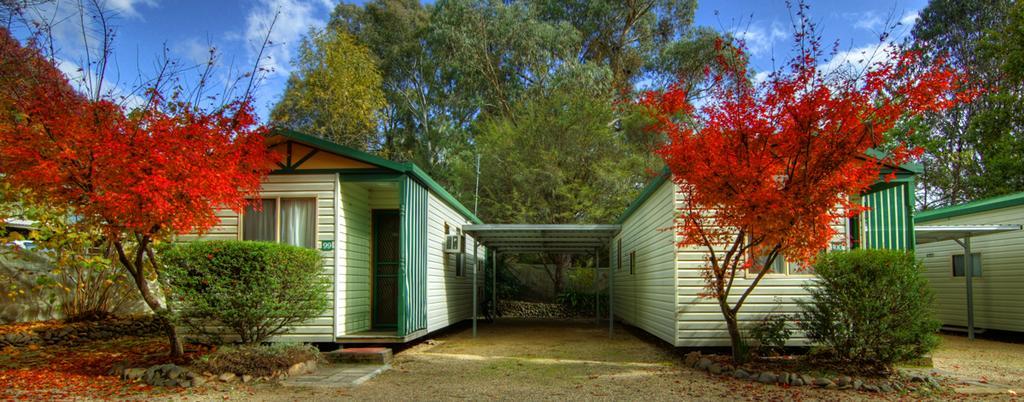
(803, 371)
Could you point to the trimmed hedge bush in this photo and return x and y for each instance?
(247, 290)
(870, 308)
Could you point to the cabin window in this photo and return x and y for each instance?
(632, 262)
(780, 267)
(284, 220)
(958, 264)
(460, 257)
(618, 256)
(444, 255)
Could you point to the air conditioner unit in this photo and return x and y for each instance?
(453, 244)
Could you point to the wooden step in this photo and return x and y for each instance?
(379, 355)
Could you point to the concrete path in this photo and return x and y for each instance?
(337, 376)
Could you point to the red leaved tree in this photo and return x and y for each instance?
(140, 176)
(767, 169)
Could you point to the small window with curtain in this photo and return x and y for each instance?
(958, 265)
(283, 220)
(445, 257)
(460, 257)
(779, 266)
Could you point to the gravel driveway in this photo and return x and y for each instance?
(549, 360)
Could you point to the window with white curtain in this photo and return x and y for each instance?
(285, 220)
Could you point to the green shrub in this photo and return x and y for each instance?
(255, 360)
(251, 290)
(770, 334)
(870, 308)
(579, 302)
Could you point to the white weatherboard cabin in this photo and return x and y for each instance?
(390, 237)
(998, 263)
(657, 284)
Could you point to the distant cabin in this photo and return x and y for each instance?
(381, 227)
(998, 276)
(657, 283)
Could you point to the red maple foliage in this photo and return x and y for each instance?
(768, 169)
(140, 175)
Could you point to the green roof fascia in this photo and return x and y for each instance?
(646, 193)
(440, 191)
(912, 167)
(338, 149)
(905, 174)
(987, 204)
(407, 168)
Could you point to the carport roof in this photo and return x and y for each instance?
(517, 238)
(930, 234)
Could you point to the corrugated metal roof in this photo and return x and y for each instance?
(518, 238)
(931, 234)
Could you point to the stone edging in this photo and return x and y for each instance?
(69, 334)
(170, 375)
(843, 382)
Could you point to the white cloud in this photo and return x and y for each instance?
(909, 19)
(761, 77)
(85, 82)
(869, 20)
(759, 39)
(857, 59)
(127, 8)
(195, 50)
(295, 19)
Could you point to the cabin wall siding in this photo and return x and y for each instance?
(699, 319)
(353, 277)
(998, 301)
(324, 188)
(647, 299)
(449, 297)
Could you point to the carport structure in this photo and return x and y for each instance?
(552, 238)
(962, 235)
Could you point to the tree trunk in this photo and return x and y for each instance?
(739, 349)
(562, 262)
(176, 348)
(740, 353)
(137, 269)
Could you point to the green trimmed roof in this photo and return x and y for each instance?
(644, 195)
(911, 167)
(908, 168)
(988, 204)
(408, 168)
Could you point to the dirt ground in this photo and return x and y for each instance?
(546, 360)
(990, 361)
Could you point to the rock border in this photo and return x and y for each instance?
(74, 333)
(170, 375)
(843, 382)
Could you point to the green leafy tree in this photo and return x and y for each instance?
(557, 158)
(637, 39)
(335, 92)
(973, 150)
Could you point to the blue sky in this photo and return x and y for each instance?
(236, 28)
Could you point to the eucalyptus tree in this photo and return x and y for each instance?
(973, 150)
